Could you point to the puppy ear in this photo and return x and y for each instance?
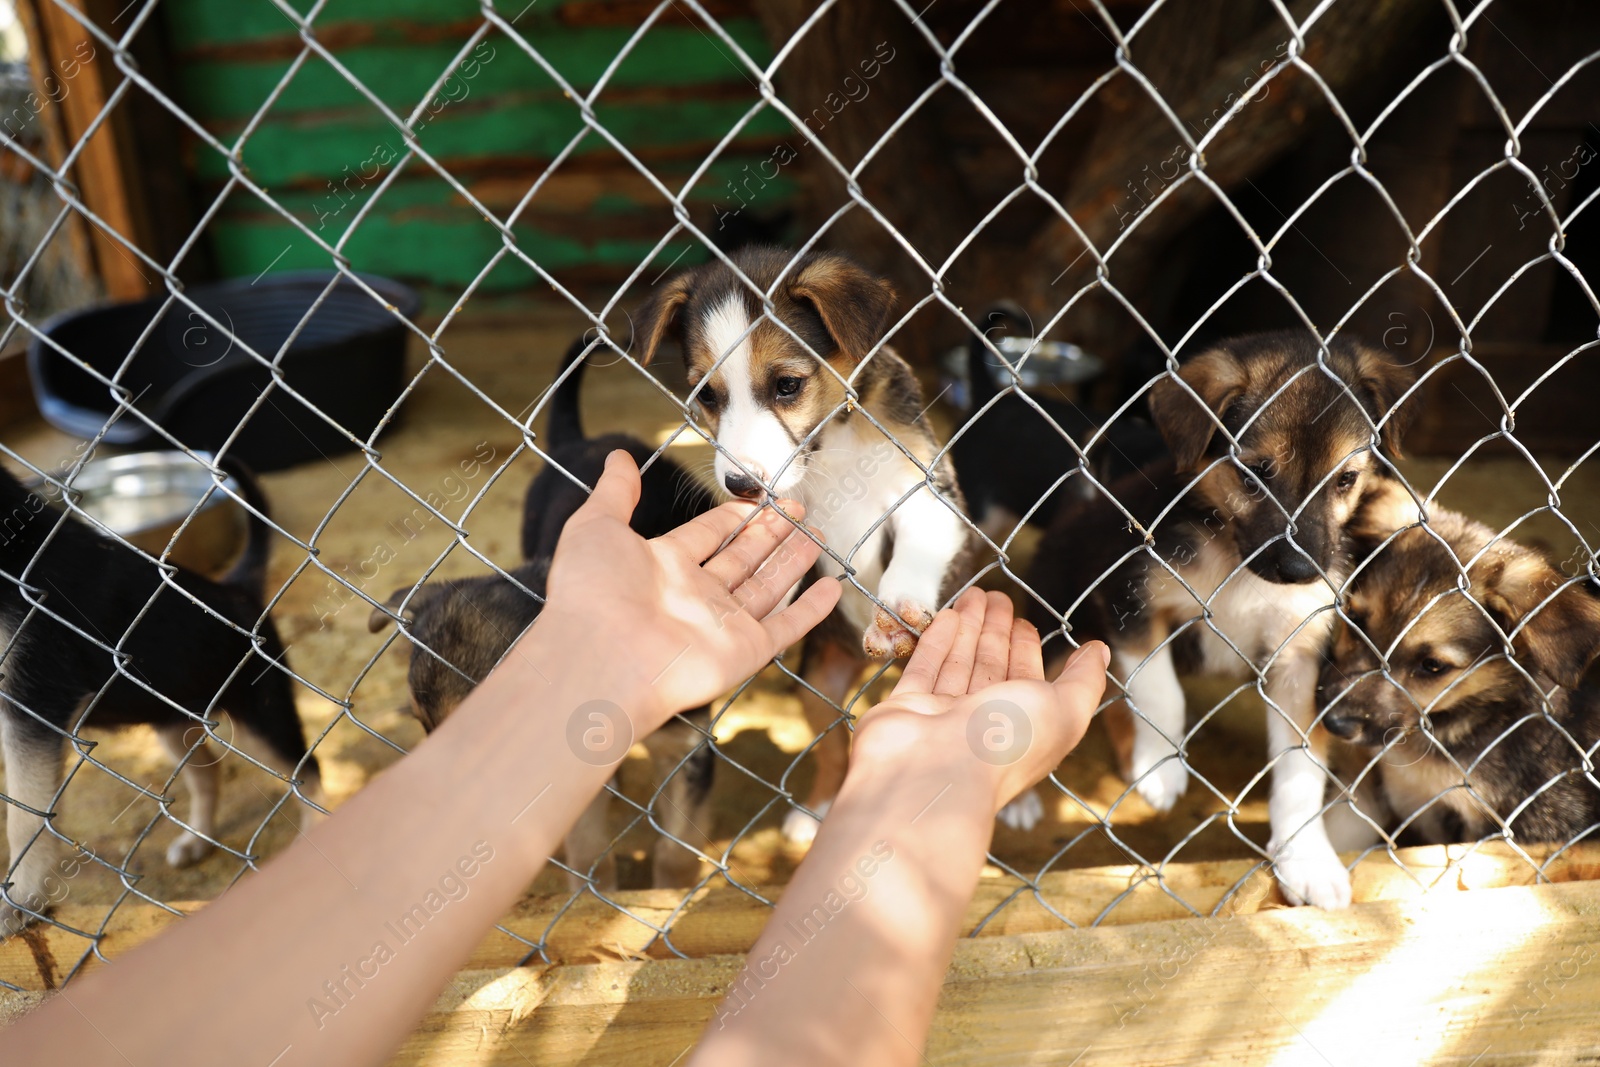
(381, 617)
(854, 303)
(1386, 506)
(1380, 383)
(659, 314)
(1188, 425)
(1560, 633)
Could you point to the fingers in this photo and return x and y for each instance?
(994, 643)
(616, 493)
(1083, 678)
(1027, 655)
(778, 574)
(795, 621)
(752, 546)
(699, 537)
(922, 669)
(955, 676)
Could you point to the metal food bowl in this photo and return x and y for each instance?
(1047, 364)
(143, 497)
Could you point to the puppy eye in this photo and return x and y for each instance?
(1429, 665)
(708, 398)
(1347, 481)
(1257, 474)
(789, 386)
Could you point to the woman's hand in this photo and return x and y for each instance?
(974, 692)
(688, 617)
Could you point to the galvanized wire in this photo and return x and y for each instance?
(24, 320)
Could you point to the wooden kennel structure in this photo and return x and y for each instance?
(1451, 955)
(1469, 955)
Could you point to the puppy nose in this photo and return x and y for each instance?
(741, 484)
(1294, 567)
(1345, 726)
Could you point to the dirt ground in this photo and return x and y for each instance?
(354, 703)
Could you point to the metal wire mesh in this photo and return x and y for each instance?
(1142, 868)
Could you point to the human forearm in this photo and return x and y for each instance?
(324, 951)
(863, 936)
(334, 949)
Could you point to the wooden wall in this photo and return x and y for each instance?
(322, 149)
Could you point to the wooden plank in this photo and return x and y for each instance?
(16, 395)
(1503, 976)
(509, 137)
(1495, 977)
(106, 172)
(232, 87)
(724, 920)
(53, 126)
(204, 26)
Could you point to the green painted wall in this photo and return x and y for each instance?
(331, 160)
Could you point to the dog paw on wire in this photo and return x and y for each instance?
(889, 638)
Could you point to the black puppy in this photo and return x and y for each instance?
(461, 629)
(1011, 456)
(669, 496)
(92, 635)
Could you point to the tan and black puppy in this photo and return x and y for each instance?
(1226, 560)
(460, 630)
(92, 633)
(807, 402)
(1479, 726)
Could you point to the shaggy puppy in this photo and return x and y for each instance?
(1481, 726)
(1226, 560)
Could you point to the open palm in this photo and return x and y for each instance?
(690, 615)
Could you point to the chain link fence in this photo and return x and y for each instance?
(1189, 157)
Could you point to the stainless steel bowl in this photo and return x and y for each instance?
(144, 496)
(1040, 366)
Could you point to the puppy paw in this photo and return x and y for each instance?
(1311, 875)
(887, 639)
(800, 828)
(187, 849)
(1024, 812)
(12, 920)
(1159, 776)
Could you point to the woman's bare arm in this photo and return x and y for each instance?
(849, 966)
(333, 951)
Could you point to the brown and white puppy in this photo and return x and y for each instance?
(1226, 559)
(1480, 726)
(806, 402)
(460, 630)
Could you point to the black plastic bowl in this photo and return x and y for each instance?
(197, 382)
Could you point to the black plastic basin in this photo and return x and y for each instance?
(197, 382)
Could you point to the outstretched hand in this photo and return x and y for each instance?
(692, 616)
(975, 685)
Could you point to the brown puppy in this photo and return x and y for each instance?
(1226, 561)
(806, 402)
(1479, 727)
